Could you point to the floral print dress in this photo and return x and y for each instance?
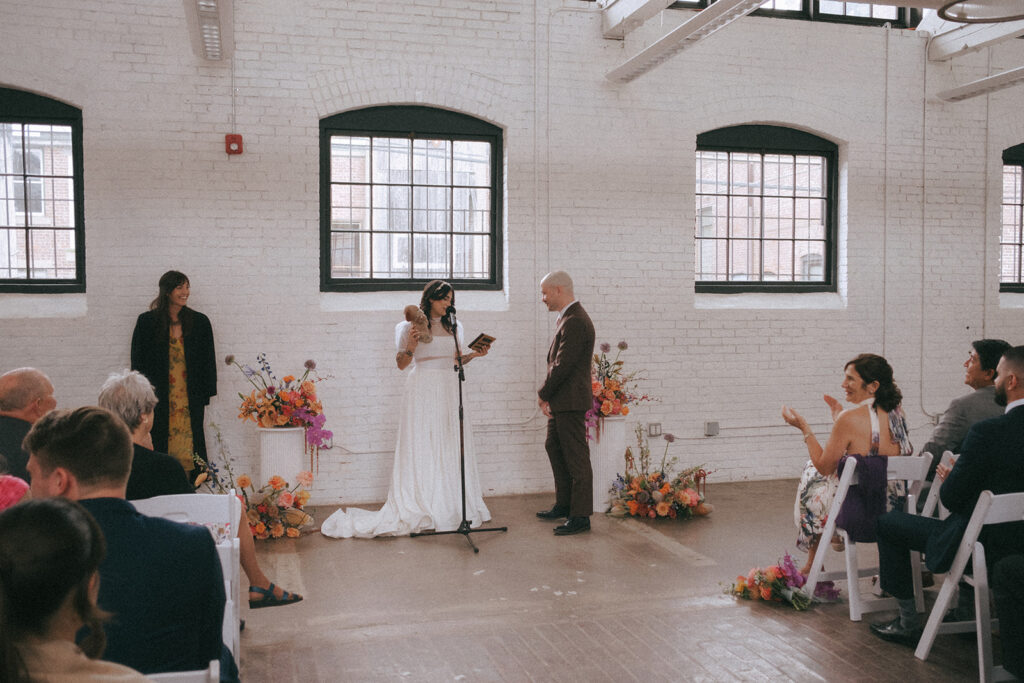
(179, 431)
(816, 491)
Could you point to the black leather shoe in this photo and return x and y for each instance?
(556, 512)
(894, 632)
(573, 525)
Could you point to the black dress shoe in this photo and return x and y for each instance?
(895, 632)
(573, 525)
(556, 512)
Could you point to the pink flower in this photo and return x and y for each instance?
(285, 499)
(305, 478)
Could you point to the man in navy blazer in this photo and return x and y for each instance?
(991, 459)
(161, 580)
(565, 398)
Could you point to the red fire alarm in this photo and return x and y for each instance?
(233, 144)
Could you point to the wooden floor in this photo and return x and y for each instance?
(630, 601)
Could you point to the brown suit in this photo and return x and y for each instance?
(567, 390)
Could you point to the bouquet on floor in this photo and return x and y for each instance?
(274, 510)
(288, 402)
(778, 583)
(614, 389)
(646, 492)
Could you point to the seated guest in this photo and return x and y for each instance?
(875, 426)
(161, 580)
(130, 396)
(976, 406)
(50, 551)
(25, 395)
(12, 490)
(991, 459)
(1008, 593)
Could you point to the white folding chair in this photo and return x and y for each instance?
(221, 514)
(911, 469)
(932, 502)
(818, 573)
(990, 509)
(208, 675)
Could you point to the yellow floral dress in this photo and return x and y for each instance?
(179, 431)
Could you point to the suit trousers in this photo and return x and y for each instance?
(1008, 592)
(569, 454)
(899, 533)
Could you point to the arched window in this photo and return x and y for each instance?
(1011, 242)
(42, 234)
(766, 211)
(409, 194)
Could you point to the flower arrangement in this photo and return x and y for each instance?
(614, 389)
(643, 492)
(778, 583)
(781, 582)
(274, 510)
(289, 402)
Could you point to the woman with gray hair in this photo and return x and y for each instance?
(130, 396)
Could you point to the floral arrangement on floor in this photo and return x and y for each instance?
(614, 389)
(288, 402)
(643, 492)
(274, 510)
(778, 583)
(781, 582)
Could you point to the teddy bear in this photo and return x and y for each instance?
(418, 319)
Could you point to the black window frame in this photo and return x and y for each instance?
(906, 17)
(22, 107)
(1013, 156)
(413, 122)
(766, 140)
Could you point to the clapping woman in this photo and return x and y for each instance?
(173, 347)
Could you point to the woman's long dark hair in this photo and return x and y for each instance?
(435, 291)
(49, 549)
(169, 282)
(873, 368)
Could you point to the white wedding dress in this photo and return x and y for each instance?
(426, 487)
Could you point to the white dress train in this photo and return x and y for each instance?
(426, 487)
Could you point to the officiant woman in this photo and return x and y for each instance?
(173, 347)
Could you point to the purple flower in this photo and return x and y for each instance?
(229, 359)
(623, 345)
(310, 364)
(826, 590)
(669, 437)
(606, 347)
(249, 372)
(794, 578)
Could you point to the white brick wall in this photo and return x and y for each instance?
(599, 181)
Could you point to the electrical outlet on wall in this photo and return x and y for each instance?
(653, 429)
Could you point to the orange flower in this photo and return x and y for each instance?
(288, 379)
(606, 408)
(277, 530)
(609, 395)
(292, 532)
(766, 592)
(666, 487)
(633, 507)
(595, 388)
(244, 481)
(625, 410)
(260, 528)
(277, 483)
(663, 507)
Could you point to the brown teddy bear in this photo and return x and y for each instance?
(419, 322)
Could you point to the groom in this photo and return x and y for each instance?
(565, 399)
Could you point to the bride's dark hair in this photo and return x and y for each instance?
(435, 291)
(874, 368)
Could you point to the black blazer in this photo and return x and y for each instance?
(155, 474)
(992, 459)
(150, 349)
(568, 384)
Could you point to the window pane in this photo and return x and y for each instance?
(432, 207)
(472, 163)
(392, 160)
(431, 161)
(1010, 233)
(13, 254)
(431, 256)
(1012, 184)
(745, 174)
(472, 256)
(745, 260)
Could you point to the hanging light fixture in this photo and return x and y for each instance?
(982, 11)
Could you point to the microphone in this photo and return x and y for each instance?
(450, 312)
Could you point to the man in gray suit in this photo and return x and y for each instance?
(565, 398)
(976, 406)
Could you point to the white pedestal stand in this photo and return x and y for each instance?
(607, 458)
(282, 452)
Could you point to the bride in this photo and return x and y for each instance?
(426, 487)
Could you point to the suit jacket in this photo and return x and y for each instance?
(12, 457)
(150, 356)
(962, 412)
(568, 383)
(162, 580)
(155, 474)
(991, 459)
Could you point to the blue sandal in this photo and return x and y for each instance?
(269, 599)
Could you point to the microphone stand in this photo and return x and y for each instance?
(464, 526)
